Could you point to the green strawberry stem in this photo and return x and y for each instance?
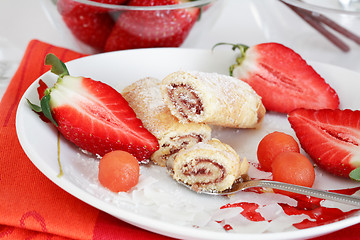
(243, 48)
(355, 174)
(45, 107)
(61, 173)
(59, 68)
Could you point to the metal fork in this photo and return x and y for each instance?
(246, 183)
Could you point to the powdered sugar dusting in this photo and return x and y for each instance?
(152, 95)
(158, 196)
(212, 98)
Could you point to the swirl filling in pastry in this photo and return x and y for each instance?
(176, 143)
(144, 97)
(201, 172)
(212, 98)
(208, 166)
(185, 99)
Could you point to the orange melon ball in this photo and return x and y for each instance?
(293, 168)
(272, 145)
(119, 171)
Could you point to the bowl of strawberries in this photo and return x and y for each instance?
(111, 25)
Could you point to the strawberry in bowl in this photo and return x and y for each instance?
(93, 115)
(141, 29)
(110, 25)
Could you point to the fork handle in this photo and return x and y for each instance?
(337, 197)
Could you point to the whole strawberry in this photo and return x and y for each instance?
(154, 28)
(330, 137)
(93, 115)
(92, 29)
(90, 24)
(73, 7)
(282, 78)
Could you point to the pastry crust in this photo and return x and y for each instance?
(144, 97)
(210, 166)
(212, 98)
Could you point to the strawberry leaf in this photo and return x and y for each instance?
(243, 48)
(58, 67)
(34, 107)
(355, 174)
(45, 106)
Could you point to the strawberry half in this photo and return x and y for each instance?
(282, 78)
(154, 28)
(330, 137)
(94, 116)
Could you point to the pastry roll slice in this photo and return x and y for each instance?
(208, 166)
(144, 97)
(212, 98)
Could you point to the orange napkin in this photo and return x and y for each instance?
(31, 206)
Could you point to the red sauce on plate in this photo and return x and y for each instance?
(309, 206)
(249, 210)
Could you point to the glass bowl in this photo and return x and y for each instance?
(347, 7)
(280, 23)
(125, 24)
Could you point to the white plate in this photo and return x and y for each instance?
(157, 203)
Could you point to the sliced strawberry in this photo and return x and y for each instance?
(283, 78)
(94, 116)
(330, 137)
(158, 28)
(90, 28)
